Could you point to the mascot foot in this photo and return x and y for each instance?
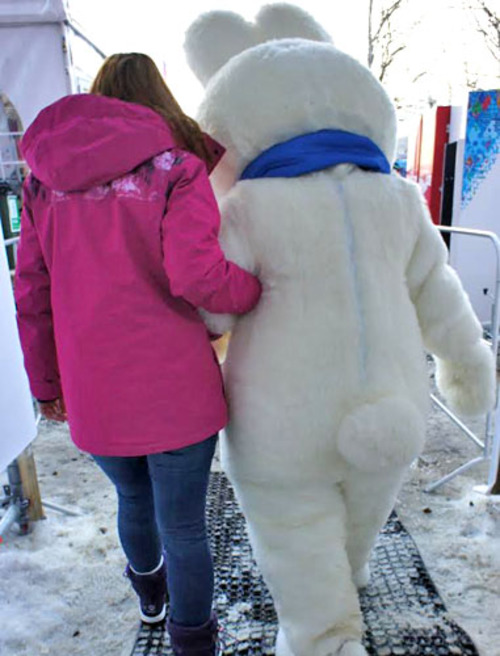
(361, 577)
(349, 648)
(352, 648)
(282, 648)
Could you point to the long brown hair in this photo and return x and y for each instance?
(134, 77)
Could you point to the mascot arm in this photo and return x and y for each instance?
(234, 242)
(465, 371)
(193, 259)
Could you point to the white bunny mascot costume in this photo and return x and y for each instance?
(326, 378)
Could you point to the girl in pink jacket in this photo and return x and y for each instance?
(119, 247)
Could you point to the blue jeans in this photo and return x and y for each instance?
(161, 506)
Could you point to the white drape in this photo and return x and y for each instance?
(17, 419)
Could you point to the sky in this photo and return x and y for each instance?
(119, 26)
(439, 38)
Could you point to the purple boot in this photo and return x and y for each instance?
(194, 640)
(152, 592)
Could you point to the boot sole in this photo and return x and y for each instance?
(154, 619)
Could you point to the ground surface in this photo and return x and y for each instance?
(62, 592)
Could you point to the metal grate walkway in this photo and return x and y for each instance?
(404, 615)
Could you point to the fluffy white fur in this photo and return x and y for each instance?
(247, 126)
(213, 39)
(382, 435)
(217, 36)
(464, 383)
(283, 21)
(326, 378)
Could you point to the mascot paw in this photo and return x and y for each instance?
(469, 385)
(218, 324)
(361, 577)
(352, 648)
(382, 435)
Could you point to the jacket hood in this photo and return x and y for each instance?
(85, 140)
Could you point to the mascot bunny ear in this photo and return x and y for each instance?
(284, 21)
(217, 36)
(213, 39)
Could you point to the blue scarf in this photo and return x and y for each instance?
(316, 151)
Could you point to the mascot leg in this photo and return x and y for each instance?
(298, 535)
(369, 500)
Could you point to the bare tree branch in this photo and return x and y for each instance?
(489, 27)
(386, 17)
(370, 34)
(387, 61)
(417, 77)
(383, 45)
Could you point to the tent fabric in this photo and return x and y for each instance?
(17, 419)
(32, 75)
(32, 68)
(33, 11)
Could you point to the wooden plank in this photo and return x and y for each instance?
(29, 481)
(220, 347)
(496, 485)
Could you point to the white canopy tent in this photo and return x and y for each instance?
(17, 418)
(43, 56)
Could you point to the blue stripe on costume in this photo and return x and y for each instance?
(314, 152)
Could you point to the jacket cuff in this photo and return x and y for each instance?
(46, 391)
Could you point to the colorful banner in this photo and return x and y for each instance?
(482, 141)
(478, 190)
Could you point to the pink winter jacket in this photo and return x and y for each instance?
(119, 246)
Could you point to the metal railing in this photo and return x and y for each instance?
(15, 162)
(11, 243)
(490, 447)
(14, 504)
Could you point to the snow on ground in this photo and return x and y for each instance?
(62, 592)
(457, 531)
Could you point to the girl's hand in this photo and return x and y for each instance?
(54, 410)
